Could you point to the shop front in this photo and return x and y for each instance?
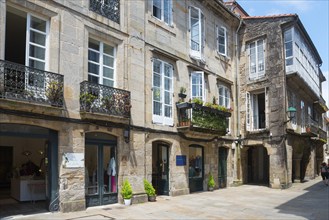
(160, 168)
(196, 168)
(101, 169)
(29, 165)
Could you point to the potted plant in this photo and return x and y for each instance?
(54, 93)
(150, 191)
(86, 100)
(182, 92)
(126, 192)
(211, 182)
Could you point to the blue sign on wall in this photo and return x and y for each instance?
(180, 160)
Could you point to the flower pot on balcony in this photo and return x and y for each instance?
(182, 95)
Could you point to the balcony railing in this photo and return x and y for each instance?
(202, 118)
(19, 82)
(107, 8)
(104, 99)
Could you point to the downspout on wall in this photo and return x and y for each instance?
(237, 164)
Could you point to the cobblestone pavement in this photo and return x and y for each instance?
(308, 200)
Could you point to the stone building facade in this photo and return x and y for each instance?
(279, 72)
(89, 98)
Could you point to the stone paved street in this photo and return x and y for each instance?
(308, 200)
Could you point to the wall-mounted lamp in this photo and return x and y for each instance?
(291, 113)
(126, 134)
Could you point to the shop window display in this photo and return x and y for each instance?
(195, 162)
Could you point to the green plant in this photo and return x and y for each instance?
(182, 90)
(108, 102)
(87, 98)
(197, 101)
(54, 91)
(211, 181)
(149, 189)
(126, 190)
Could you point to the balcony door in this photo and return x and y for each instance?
(26, 44)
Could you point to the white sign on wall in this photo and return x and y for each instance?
(73, 160)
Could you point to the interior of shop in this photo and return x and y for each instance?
(22, 171)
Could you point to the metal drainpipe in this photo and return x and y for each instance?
(237, 127)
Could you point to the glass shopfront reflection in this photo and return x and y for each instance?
(196, 171)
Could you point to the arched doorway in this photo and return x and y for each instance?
(258, 165)
(101, 169)
(160, 167)
(29, 159)
(196, 168)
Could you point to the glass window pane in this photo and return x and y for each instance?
(37, 52)
(93, 56)
(156, 94)
(168, 70)
(157, 8)
(110, 170)
(108, 72)
(168, 111)
(93, 68)
(38, 38)
(156, 80)
(91, 170)
(167, 84)
(157, 108)
(37, 64)
(38, 24)
(156, 66)
(167, 11)
(93, 79)
(167, 98)
(108, 82)
(108, 61)
(93, 44)
(108, 50)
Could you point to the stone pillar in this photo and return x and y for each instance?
(310, 169)
(71, 180)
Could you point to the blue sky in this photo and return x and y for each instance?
(314, 16)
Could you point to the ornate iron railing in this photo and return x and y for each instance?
(104, 99)
(107, 8)
(24, 83)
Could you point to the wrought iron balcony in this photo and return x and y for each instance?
(104, 99)
(19, 82)
(322, 134)
(107, 8)
(201, 118)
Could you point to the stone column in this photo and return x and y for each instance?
(310, 169)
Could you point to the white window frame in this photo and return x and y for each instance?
(162, 119)
(225, 96)
(101, 64)
(29, 43)
(200, 85)
(163, 15)
(197, 53)
(252, 114)
(258, 62)
(219, 45)
(286, 42)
